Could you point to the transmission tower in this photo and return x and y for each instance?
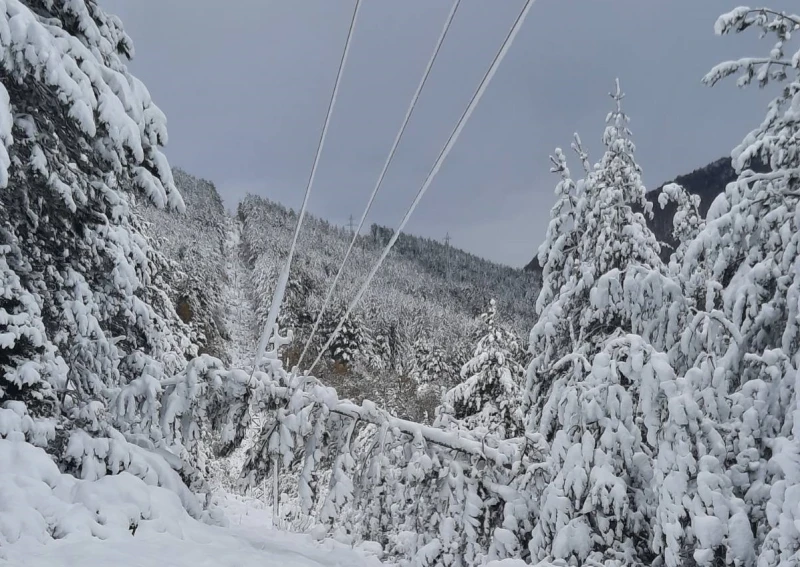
(447, 254)
(351, 225)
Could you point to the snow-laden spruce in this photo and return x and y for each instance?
(594, 385)
(489, 398)
(608, 280)
(561, 236)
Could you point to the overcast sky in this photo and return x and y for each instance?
(245, 85)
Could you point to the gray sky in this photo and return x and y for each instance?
(245, 85)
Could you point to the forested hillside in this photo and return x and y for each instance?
(417, 324)
(404, 345)
(193, 243)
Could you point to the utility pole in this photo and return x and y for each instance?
(351, 225)
(447, 252)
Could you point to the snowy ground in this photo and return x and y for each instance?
(248, 542)
(51, 519)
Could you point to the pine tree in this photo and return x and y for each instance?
(77, 316)
(489, 398)
(354, 342)
(620, 236)
(615, 280)
(430, 368)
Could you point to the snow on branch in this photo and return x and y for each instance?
(501, 451)
(206, 375)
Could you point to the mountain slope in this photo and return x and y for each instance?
(415, 326)
(194, 244)
(405, 343)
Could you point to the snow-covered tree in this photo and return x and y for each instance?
(616, 281)
(353, 343)
(619, 236)
(93, 355)
(430, 367)
(698, 517)
(593, 384)
(741, 272)
(490, 396)
(78, 132)
(557, 252)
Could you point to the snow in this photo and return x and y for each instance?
(50, 519)
(198, 547)
(661, 401)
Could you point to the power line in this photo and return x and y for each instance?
(435, 169)
(280, 289)
(382, 175)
